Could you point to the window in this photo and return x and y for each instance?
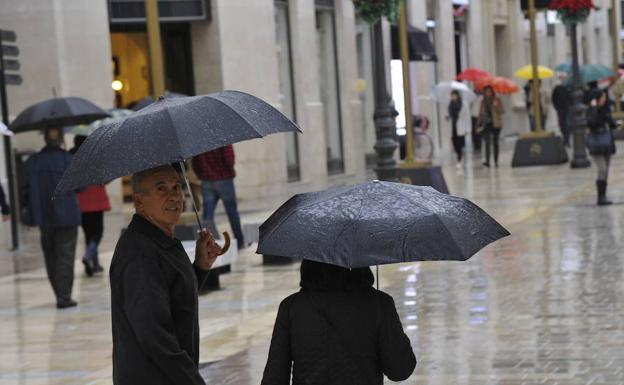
(286, 95)
(330, 89)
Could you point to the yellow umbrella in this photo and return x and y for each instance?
(526, 72)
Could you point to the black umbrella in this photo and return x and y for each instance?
(377, 223)
(171, 131)
(57, 112)
(146, 101)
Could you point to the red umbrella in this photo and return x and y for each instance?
(473, 74)
(499, 84)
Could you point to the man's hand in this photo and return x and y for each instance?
(207, 250)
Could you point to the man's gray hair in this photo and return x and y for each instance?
(137, 178)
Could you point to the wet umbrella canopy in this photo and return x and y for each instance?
(378, 223)
(57, 112)
(171, 131)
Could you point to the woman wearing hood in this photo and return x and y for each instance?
(600, 139)
(337, 330)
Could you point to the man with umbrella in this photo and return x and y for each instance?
(154, 288)
(154, 285)
(58, 219)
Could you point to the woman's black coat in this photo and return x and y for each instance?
(338, 337)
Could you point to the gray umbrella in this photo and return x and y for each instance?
(378, 223)
(171, 131)
(57, 112)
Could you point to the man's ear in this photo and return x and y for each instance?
(138, 200)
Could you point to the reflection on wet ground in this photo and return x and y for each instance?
(543, 306)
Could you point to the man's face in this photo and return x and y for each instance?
(160, 199)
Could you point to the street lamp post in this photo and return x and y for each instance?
(385, 113)
(577, 112)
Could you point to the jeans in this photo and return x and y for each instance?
(212, 191)
(59, 250)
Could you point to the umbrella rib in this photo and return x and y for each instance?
(434, 215)
(177, 139)
(241, 116)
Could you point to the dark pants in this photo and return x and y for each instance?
(212, 191)
(458, 142)
(476, 136)
(562, 116)
(59, 250)
(491, 136)
(93, 226)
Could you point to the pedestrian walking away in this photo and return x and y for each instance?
(561, 99)
(337, 330)
(58, 219)
(154, 288)
(491, 123)
(216, 170)
(600, 140)
(93, 202)
(459, 113)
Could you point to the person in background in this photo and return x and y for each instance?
(58, 219)
(216, 170)
(93, 202)
(491, 122)
(459, 113)
(543, 106)
(598, 120)
(337, 330)
(562, 100)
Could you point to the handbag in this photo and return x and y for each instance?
(600, 141)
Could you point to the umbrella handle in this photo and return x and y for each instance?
(226, 246)
(226, 235)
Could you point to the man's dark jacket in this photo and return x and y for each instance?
(561, 97)
(154, 309)
(338, 337)
(42, 172)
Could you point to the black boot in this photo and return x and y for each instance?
(601, 186)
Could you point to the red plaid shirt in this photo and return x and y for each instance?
(216, 164)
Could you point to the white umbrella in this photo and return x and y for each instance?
(442, 92)
(4, 130)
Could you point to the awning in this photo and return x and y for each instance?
(419, 45)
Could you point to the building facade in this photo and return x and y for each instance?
(309, 58)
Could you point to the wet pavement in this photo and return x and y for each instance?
(544, 306)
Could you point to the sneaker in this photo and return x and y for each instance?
(66, 304)
(458, 165)
(98, 268)
(486, 164)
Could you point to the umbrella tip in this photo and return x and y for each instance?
(376, 181)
